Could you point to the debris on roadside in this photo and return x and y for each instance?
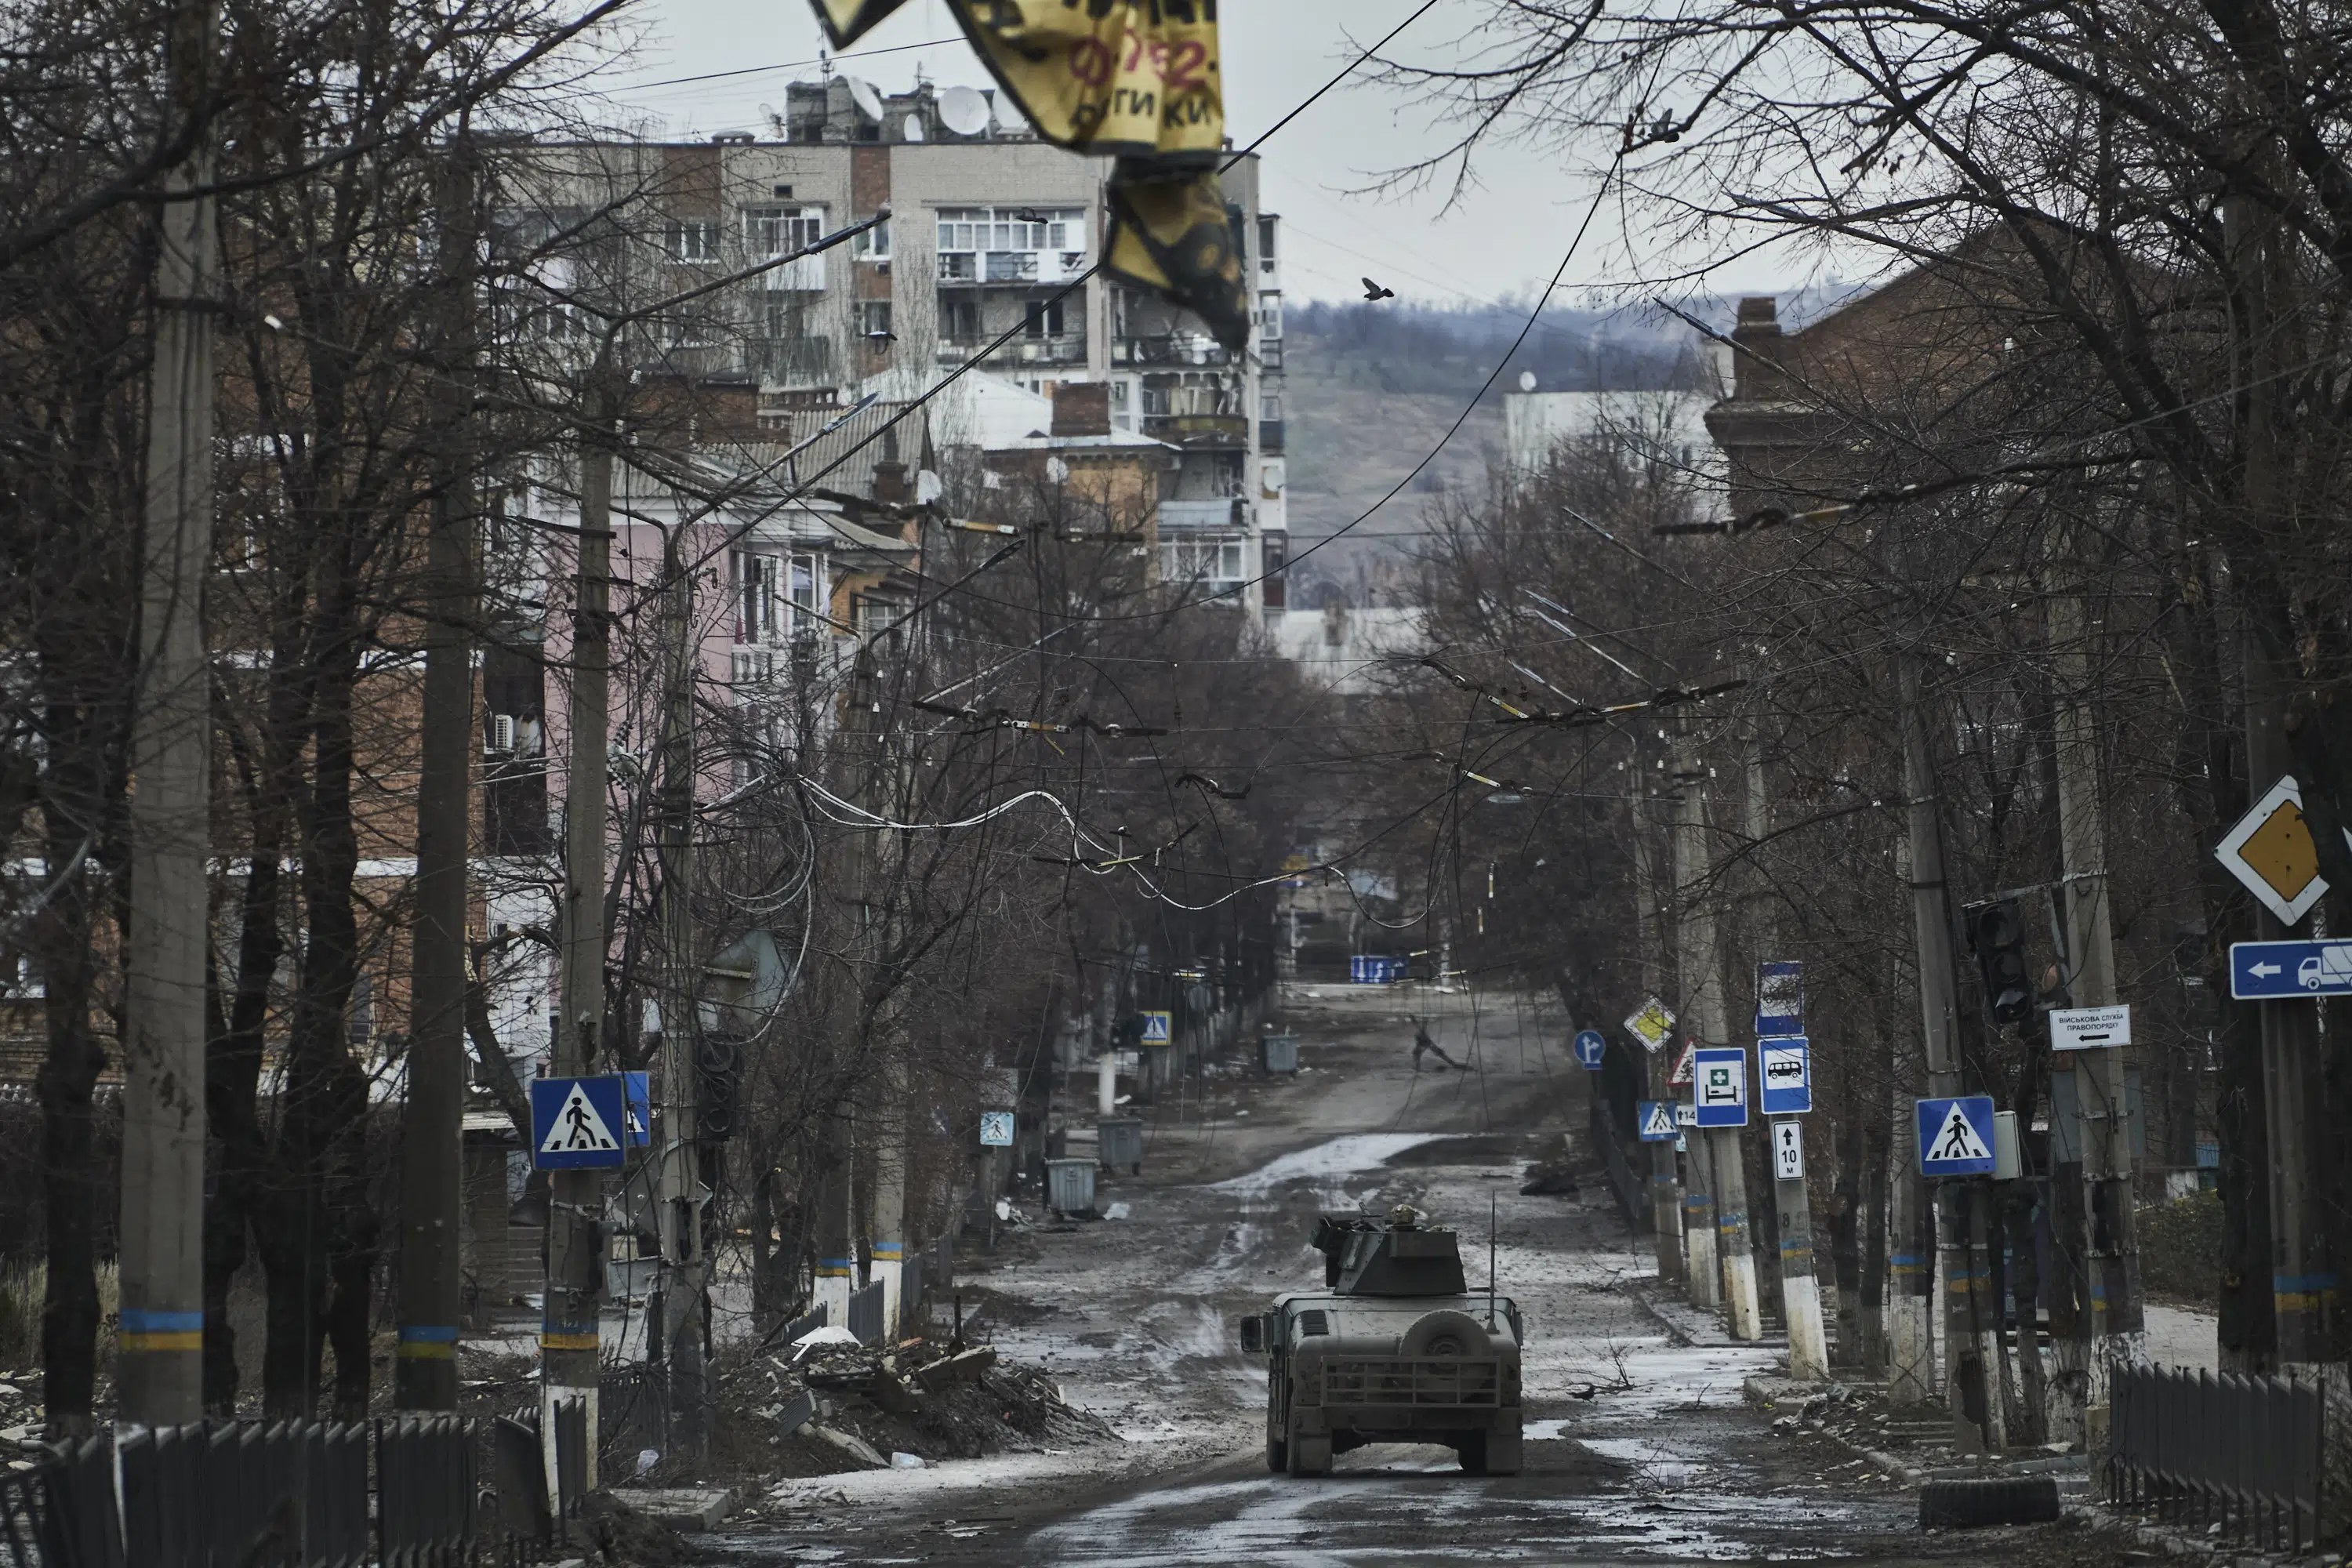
(825, 1408)
(1556, 1175)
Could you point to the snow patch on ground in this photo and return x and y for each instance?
(1333, 1160)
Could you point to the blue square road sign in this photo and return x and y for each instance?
(578, 1123)
(1719, 1086)
(1955, 1136)
(1784, 1068)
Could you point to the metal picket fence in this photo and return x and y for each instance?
(2247, 1453)
(865, 1314)
(252, 1494)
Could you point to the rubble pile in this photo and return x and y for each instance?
(829, 1407)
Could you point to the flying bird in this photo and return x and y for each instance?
(1373, 291)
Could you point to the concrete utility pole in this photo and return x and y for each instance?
(2115, 1325)
(425, 1369)
(2304, 1282)
(1801, 1292)
(1666, 1172)
(160, 1342)
(680, 1188)
(1702, 975)
(2303, 1276)
(569, 1331)
(1976, 1418)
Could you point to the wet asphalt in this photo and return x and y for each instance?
(1641, 1449)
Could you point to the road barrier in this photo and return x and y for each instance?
(292, 1494)
(2247, 1453)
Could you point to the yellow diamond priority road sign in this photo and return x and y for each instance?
(1653, 1026)
(2270, 850)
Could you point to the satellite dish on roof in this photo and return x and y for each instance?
(862, 93)
(913, 130)
(964, 111)
(1527, 381)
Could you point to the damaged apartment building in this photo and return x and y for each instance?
(990, 226)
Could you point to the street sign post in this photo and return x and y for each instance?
(2271, 851)
(1785, 1071)
(996, 1130)
(1657, 1121)
(1720, 1087)
(577, 1123)
(640, 1115)
(1788, 1151)
(1779, 997)
(1592, 1046)
(1159, 1029)
(2267, 970)
(1652, 1025)
(2089, 1029)
(1955, 1136)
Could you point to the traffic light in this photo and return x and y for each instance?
(1998, 939)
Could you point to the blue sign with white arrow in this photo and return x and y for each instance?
(1955, 1136)
(577, 1123)
(1786, 1068)
(2263, 970)
(1592, 1046)
(1658, 1121)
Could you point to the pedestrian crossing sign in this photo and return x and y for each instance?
(1658, 1121)
(577, 1123)
(1955, 1136)
(1159, 1029)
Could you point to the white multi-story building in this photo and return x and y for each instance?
(989, 231)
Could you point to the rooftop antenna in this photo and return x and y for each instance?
(823, 61)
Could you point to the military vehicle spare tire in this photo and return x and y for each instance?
(1445, 1332)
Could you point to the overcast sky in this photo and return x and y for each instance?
(1504, 241)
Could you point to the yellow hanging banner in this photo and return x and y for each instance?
(1137, 80)
(1132, 78)
(847, 21)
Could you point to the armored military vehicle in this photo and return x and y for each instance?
(1393, 1349)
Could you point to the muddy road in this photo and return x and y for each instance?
(1640, 1448)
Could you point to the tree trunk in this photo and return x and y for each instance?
(69, 1078)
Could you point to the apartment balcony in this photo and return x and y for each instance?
(1200, 431)
(1060, 349)
(791, 361)
(980, 268)
(803, 276)
(1169, 349)
(1201, 516)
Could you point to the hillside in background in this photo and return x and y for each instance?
(1371, 388)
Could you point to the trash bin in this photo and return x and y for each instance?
(1070, 1187)
(1121, 1143)
(1279, 1053)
